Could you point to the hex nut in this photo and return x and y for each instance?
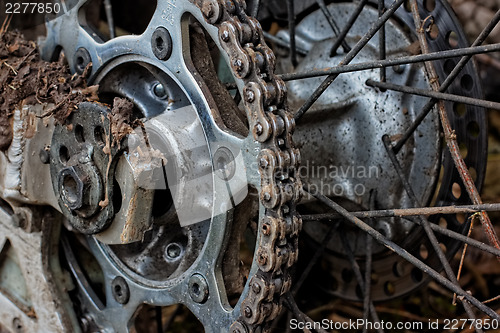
(71, 187)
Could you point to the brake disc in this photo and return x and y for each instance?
(343, 154)
(189, 165)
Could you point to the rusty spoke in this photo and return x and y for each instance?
(435, 94)
(291, 28)
(450, 136)
(447, 82)
(333, 25)
(341, 69)
(347, 59)
(403, 253)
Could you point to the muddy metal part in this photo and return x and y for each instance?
(195, 282)
(33, 287)
(269, 147)
(32, 139)
(83, 158)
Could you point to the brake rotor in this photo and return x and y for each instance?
(344, 156)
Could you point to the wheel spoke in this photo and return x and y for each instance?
(359, 276)
(291, 27)
(367, 301)
(331, 22)
(254, 11)
(280, 42)
(293, 307)
(347, 59)
(341, 69)
(172, 317)
(441, 210)
(443, 231)
(110, 18)
(402, 252)
(424, 222)
(447, 83)
(381, 41)
(159, 322)
(450, 136)
(92, 301)
(317, 255)
(341, 37)
(435, 94)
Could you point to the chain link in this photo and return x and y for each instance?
(271, 124)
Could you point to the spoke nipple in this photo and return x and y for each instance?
(248, 312)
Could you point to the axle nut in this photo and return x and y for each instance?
(71, 185)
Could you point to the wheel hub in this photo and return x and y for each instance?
(343, 153)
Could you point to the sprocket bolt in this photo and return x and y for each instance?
(120, 289)
(198, 288)
(82, 59)
(161, 43)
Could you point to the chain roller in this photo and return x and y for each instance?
(271, 124)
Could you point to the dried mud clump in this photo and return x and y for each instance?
(25, 79)
(121, 118)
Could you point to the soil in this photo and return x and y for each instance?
(121, 117)
(26, 79)
(206, 75)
